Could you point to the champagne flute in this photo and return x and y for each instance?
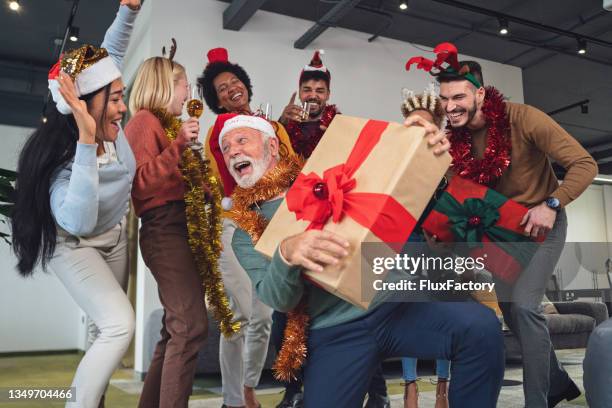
(305, 111)
(195, 108)
(264, 111)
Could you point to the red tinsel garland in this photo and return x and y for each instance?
(489, 169)
(304, 145)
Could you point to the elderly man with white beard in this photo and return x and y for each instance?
(345, 343)
(250, 160)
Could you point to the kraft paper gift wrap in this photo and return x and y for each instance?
(368, 181)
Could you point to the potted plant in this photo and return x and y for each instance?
(7, 179)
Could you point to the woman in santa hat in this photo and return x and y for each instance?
(72, 196)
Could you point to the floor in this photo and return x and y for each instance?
(57, 369)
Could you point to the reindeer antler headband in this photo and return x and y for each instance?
(172, 51)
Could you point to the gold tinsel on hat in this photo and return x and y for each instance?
(203, 225)
(75, 61)
(274, 183)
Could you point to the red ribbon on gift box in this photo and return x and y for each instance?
(317, 199)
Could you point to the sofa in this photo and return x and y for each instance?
(569, 327)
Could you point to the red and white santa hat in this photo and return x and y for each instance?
(252, 122)
(90, 67)
(316, 64)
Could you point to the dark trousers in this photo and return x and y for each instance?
(163, 242)
(543, 375)
(342, 359)
(377, 386)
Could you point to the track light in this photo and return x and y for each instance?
(582, 46)
(403, 5)
(73, 34)
(14, 5)
(584, 109)
(503, 26)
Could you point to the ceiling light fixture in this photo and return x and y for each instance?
(403, 5)
(582, 46)
(14, 5)
(73, 34)
(503, 26)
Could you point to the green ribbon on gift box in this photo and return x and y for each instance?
(477, 217)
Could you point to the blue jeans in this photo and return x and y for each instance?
(342, 358)
(409, 369)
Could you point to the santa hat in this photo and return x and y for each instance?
(227, 180)
(316, 64)
(91, 69)
(252, 122)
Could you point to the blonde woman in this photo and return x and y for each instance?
(158, 140)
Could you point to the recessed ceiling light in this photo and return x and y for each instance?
(14, 5)
(73, 34)
(403, 5)
(582, 46)
(503, 26)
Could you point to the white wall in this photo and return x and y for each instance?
(589, 232)
(37, 313)
(366, 78)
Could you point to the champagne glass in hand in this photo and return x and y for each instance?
(195, 108)
(265, 111)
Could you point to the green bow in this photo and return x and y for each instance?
(486, 212)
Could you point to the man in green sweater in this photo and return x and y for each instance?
(346, 343)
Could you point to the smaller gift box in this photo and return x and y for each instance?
(488, 222)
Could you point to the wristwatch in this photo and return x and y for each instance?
(553, 203)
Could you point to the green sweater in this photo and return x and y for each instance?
(281, 286)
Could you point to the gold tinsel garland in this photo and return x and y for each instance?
(203, 225)
(277, 181)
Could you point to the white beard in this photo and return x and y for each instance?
(259, 168)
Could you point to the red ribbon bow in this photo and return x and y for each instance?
(317, 199)
(445, 53)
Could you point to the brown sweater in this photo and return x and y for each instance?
(536, 139)
(158, 179)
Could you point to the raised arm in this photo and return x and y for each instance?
(117, 37)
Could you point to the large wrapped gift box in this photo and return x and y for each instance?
(368, 181)
(487, 222)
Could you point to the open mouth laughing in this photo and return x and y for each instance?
(242, 167)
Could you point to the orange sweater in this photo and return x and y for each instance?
(158, 179)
